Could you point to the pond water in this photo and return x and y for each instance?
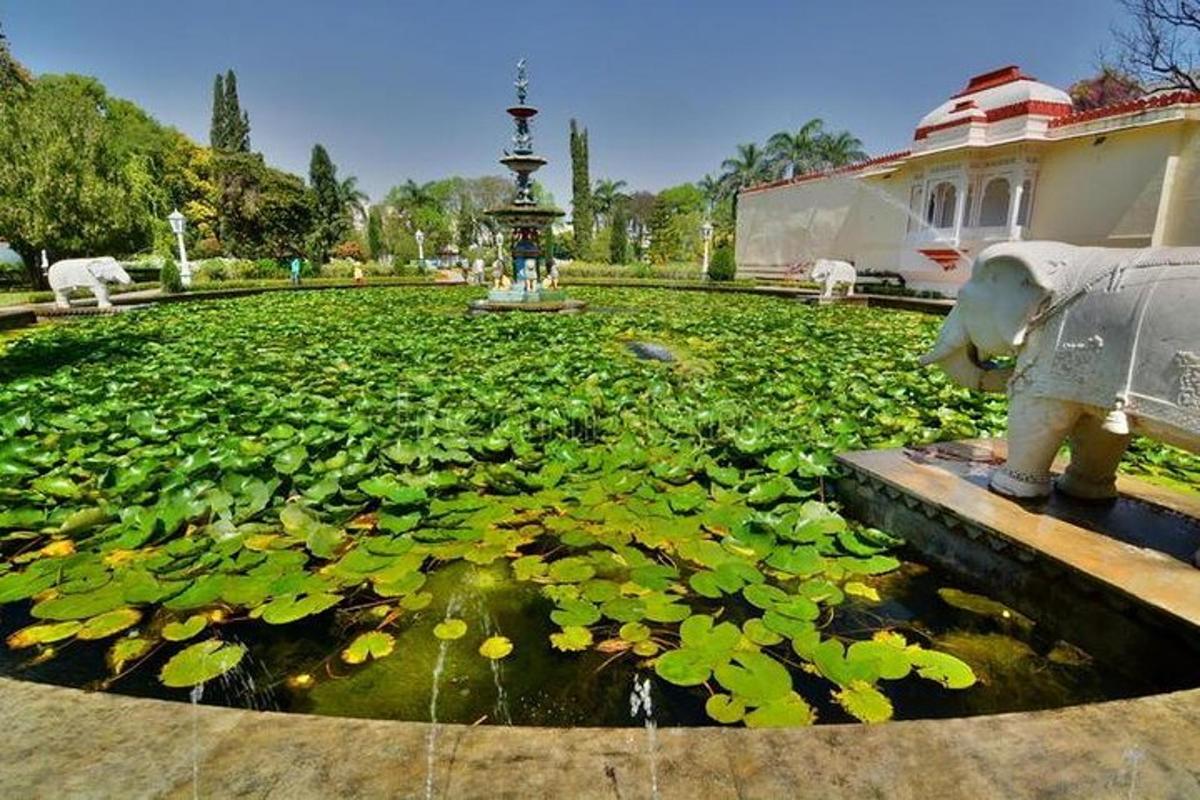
(299, 668)
(371, 504)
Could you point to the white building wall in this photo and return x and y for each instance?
(782, 230)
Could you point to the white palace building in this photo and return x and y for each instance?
(1007, 158)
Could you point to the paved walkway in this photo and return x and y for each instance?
(63, 743)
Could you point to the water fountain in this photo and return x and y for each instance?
(527, 284)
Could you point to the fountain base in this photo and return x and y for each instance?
(552, 301)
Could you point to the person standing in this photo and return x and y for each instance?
(359, 280)
(295, 272)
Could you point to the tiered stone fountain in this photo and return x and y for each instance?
(527, 284)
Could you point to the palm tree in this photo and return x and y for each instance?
(712, 189)
(414, 195)
(605, 195)
(793, 154)
(749, 167)
(839, 149)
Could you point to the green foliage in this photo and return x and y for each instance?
(330, 220)
(618, 243)
(229, 130)
(263, 212)
(170, 278)
(582, 214)
(289, 487)
(722, 267)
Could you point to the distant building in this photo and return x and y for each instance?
(1007, 158)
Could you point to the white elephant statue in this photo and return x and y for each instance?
(1106, 344)
(830, 273)
(86, 273)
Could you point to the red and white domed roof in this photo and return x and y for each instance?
(1000, 96)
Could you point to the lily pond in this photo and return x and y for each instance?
(370, 503)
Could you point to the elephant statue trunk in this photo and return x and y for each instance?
(1105, 348)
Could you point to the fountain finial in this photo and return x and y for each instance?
(522, 82)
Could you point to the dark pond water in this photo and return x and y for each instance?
(296, 667)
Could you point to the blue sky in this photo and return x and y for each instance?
(667, 88)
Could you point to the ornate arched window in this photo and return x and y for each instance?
(942, 200)
(993, 211)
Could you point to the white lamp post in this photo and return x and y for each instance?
(706, 230)
(185, 269)
(420, 236)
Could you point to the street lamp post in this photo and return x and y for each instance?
(185, 269)
(706, 230)
(420, 237)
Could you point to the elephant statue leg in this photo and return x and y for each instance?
(61, 298)
(101, 292)
(1037, 427)
(1095, 453)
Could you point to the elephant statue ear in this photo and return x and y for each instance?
(1009, 284)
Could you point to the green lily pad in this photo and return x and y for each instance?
(125, 650)
(201, 663)
(109, 623)
(725, 709)
(634, 632)
(788, 711)
(43, 634)
(684, 667)
(450, 629)
(755, 677)
(571, 638)
(495, 647)
(182, 631)
(369, 645)
(864, 702)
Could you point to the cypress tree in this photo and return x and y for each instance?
(581, 185)
(237, 121)
(217, 135)
(618, 242)
(374, 234)
(329, 213)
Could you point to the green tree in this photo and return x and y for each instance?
(263, 212)
(582, 212)
(792, 154)
(838, 149)
(618, 242)
(218, 127)
(605, 195)
(376, 247)
(67, 185)
(237, 121)
(749, 167)
(13, 75)
(330, 220)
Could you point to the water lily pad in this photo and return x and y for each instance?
(495, 647)
(104, 625)
(942, 667)
(683, 667)
(370, 645)
(43, 634)
(634, 632)
(125, 650)
(450, 629)
(862, 590)
(182, 631)
(725, 709)
(755, 677)
(572, 637)
(575, 613)
(788, 711)
(201, 663)
(864, 702)
(756, 631)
